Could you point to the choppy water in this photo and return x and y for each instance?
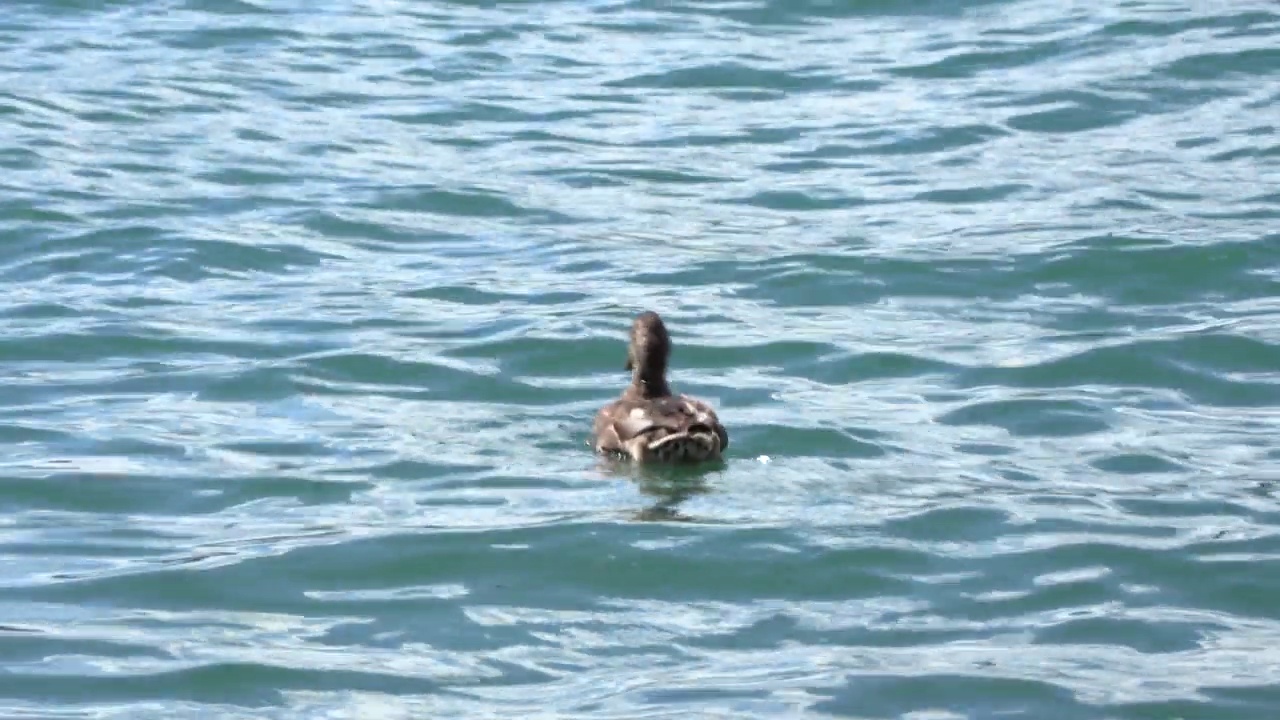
(305, 309)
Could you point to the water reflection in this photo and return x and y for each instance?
(670, 484)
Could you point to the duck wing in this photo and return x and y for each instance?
(702, 413)
(621, 422)
(624, 420)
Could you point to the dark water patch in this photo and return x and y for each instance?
(1226, 353)
(1074, 118)
(793, 288)
(204, 258)
(40, 311)
(20, 159)
(840, 368)
(302, 490)
(467, 295)
(748, 136)
(721, 75)
(1148, 364)
(1253, 699)
(585, 180)
(377, 231)
(1212, 66)
(492, 574)
(985, 449)
(478, 112)
(770, 14)
(797, 201)
(370, 367)
(1135, 464)
(26, 433)
(1175, 506)
(469, 203)
(242, 38)
(992, 59)
(364, 375)
(545, 357)
(245, 177)
(1262, 153)
(85, 483)
(248, 684)
(1031, 418)
(1141, 635)
(255, 135)
(1225, 707)
(1238, 586)
(1130, 273)
(961, 196)
(957, 523)
(405, 469)
(1168, 194)
(263, 384)
(27, 211)
(876, 365)
(1235, 22)
(820, 442)
(40, 646)
(499, 483)
(131, 249)
(90, 547)
(929, 140)
(101, 344)
(880, 695)
(650, 175)
(799, 166)
(226, 7)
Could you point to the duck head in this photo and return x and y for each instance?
(647, 355)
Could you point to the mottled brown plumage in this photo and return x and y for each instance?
(648, 423)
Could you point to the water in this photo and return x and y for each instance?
(306, 308)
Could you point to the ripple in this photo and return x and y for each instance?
(307, 311)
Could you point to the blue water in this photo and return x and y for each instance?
(305, 309)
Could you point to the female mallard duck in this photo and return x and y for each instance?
(648, 423)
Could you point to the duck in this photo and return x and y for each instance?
(649, 423)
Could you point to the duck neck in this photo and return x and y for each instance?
(650, 382)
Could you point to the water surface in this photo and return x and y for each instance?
(305, 309)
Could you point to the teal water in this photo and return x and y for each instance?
(305, 309)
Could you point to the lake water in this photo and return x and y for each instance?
(305, 309)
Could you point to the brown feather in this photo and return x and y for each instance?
(650, 423)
